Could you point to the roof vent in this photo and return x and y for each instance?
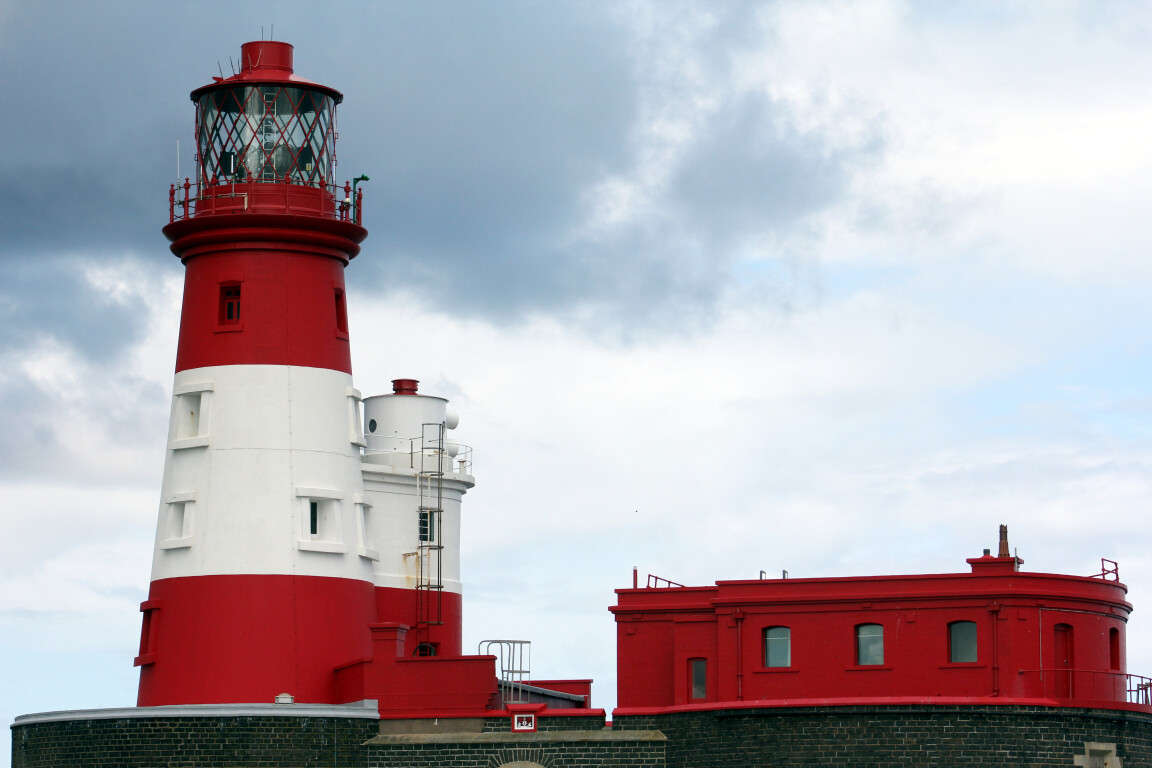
(404, 386)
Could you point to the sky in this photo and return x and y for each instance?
(717, 288)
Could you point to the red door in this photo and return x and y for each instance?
(1062, 650)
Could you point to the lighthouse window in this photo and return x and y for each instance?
(321, 527)
(323, 520)
(962, 642)
(178, 519)
(869, 644)
(229, 304)
(341, 314)
(189, 423)
(777, 647)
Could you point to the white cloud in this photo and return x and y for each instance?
(958, 340)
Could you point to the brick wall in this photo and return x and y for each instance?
(884, 737)
(150, 742)
(553, 749)
(863, 737)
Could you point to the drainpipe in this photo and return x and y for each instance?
(739, 617)
(994, 610)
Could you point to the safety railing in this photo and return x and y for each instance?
(416, 451)
(189, 200)
(1095, 684)
(513, 665)
(1109, 570)
(656, 582)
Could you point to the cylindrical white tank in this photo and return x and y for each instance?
(403, 422)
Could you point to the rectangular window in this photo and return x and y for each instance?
(188, 426)
(320, 520)
(179, 517)
(229, 304)
(188, 415)
(1114, 648)
(777, 647)
(177, 520)
(341, 313)
(427, 525)
(962, 642)
(698, 674)
(869, 644)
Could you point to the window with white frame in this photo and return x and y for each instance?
(320, 520)
(190, 410)
(176, 521)
(365, 544)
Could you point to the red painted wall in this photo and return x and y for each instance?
(660, 629)
(399, 606)
(260, 634)
(287, 311)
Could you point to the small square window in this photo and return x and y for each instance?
(321, 526)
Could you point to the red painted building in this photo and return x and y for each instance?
(993, 635)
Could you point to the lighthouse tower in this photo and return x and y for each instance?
(270, 565)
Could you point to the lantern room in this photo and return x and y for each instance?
(261, 130)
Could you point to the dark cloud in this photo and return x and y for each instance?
(52, 298)
(483, 126)
(751, 171)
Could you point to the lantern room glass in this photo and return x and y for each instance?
(266, 133)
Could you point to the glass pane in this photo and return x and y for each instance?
(266, 133)
(962, 641)
(699, 669)
(778, 647)
(869, 644)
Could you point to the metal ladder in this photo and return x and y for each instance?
(430, 508)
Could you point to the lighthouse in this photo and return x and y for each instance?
(294, 522)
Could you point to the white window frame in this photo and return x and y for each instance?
(329, 536)
(184, 505)
(191, 410)
(364, 541)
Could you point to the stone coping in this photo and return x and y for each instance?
(362, 710)
(508, 737)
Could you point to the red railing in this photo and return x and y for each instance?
(655, 582)
(189, 200)
(1109, 570)
(1097, 684)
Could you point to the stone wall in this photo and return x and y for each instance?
(890, 736)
